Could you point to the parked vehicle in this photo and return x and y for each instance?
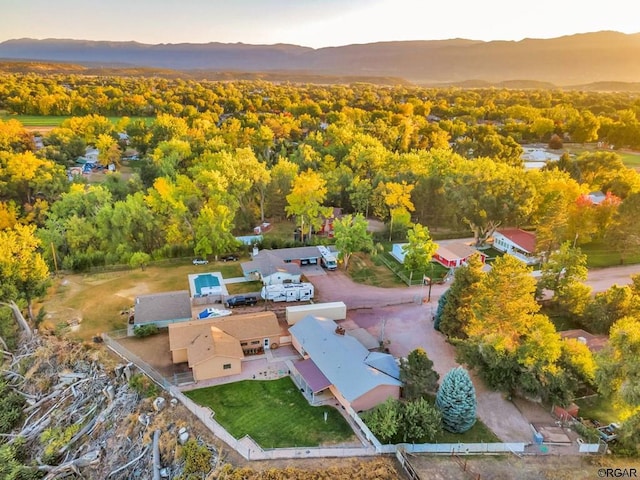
(608, 433)
(327, 258)
(288, 292)
(213, 313)
(230, 258)
(200, 261)
(240, 300)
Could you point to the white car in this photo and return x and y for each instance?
(200, 261)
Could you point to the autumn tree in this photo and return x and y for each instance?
(24, 274)
(454, 312)
(352, 235)
(624, 236)
(305, 200)
(512, 346)
(418, 375)
(395, 199)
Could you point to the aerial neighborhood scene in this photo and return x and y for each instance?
(317, 240)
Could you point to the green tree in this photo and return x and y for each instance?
(384, 420)
(487, 194)
(610, 306)
(396, 198)
(455, 313)
(419, 250)
(624, 235)
(456, 400)
(140, 260)
(564, 274)
(352, 236)
(421, 422)
(418, 375)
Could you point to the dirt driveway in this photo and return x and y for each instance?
(398, 316)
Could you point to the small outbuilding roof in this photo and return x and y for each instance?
(457, 251)
(595, 343)
(158, 307)
(312, 375)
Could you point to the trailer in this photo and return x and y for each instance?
(331, 310)
(288, 292)
(327, 258)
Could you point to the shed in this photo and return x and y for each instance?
(332, 310)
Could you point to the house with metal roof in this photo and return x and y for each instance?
(281, 265)
(340, 364)
(161, 309)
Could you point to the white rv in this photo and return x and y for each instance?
(327, 258)
(288, 292)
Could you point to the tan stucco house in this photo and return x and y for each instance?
(216, 347)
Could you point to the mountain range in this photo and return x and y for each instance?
(564, 61)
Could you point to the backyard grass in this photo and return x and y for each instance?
(598, 408)
(364, 269)
(479, 433)
(274, 413)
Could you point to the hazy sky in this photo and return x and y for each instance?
(313, 23)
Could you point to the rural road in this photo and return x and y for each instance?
(397, 315)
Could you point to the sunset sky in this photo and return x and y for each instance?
(313, 23)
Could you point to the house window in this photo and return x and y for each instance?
(255, 342)
(226, 366)
(243, 344)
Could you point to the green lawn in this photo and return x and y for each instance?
(274, 413)
(599, 255)
(479, 433)
(598, 408)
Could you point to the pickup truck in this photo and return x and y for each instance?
(240, 300)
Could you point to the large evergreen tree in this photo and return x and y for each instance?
(455, 313)
(456, 400)
(418, 375)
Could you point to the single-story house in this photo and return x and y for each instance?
(450, 254)
(340, 364)
(595, 343)
(281, 265)
(518, 243)
(271, 270)
(215, 347)
(161, 309)
(455, 254)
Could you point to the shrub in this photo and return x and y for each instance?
(143, 385)
(142, 331)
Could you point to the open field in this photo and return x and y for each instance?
(91, 303)
(274, 413)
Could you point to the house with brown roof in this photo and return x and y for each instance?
(517, 243)
(216, 347)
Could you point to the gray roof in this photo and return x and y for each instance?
(157, 307)
(296, 253)
(267, 264)
(385, 363)
(340, 358)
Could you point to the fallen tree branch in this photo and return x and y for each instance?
(156, 455)
(124, 467)
(17, 314)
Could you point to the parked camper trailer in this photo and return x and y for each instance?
(331, 310)
(327, 258)
(288, 292)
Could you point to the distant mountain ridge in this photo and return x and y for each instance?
(571, 60)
